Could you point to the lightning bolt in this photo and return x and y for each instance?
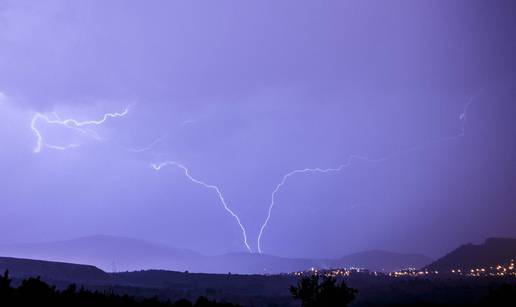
(352, 158)
(208, 186)
(150, 146)
(81, 126)
(84, 127)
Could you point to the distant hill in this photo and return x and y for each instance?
(124, 254)
(247, 263)
(57, 271)
(492, 252)
(106, 252)
(267, 264)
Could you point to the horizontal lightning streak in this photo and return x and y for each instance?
(68, 123)
(208, 186)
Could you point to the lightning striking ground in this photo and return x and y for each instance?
(81, 126)
(84, 128)
(352, 158)
(208, 186)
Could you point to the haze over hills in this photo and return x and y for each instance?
(255, 290)
(124, 254)
(106, 252)
(492, 252)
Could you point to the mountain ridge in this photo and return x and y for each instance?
(58, 271)
(112, 253)
(491, 252)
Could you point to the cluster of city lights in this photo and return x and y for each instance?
(412, 272)
(337, 272)
(508, 269)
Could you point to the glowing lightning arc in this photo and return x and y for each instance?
(147, 147)
(351, 158)
(68, 123)
(208, 186)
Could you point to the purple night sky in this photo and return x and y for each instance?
(242, 93)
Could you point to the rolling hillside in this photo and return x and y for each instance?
(56, 271)
(115, 254)
(492, 252)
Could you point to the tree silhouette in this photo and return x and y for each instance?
(314, 291)
(5, 285)
(35, 292)
(503, 295)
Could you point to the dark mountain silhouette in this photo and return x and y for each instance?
(492, 252)
(124, 254)
(57, 271)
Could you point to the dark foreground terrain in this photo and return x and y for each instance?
(256, 290)
(262, 290)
